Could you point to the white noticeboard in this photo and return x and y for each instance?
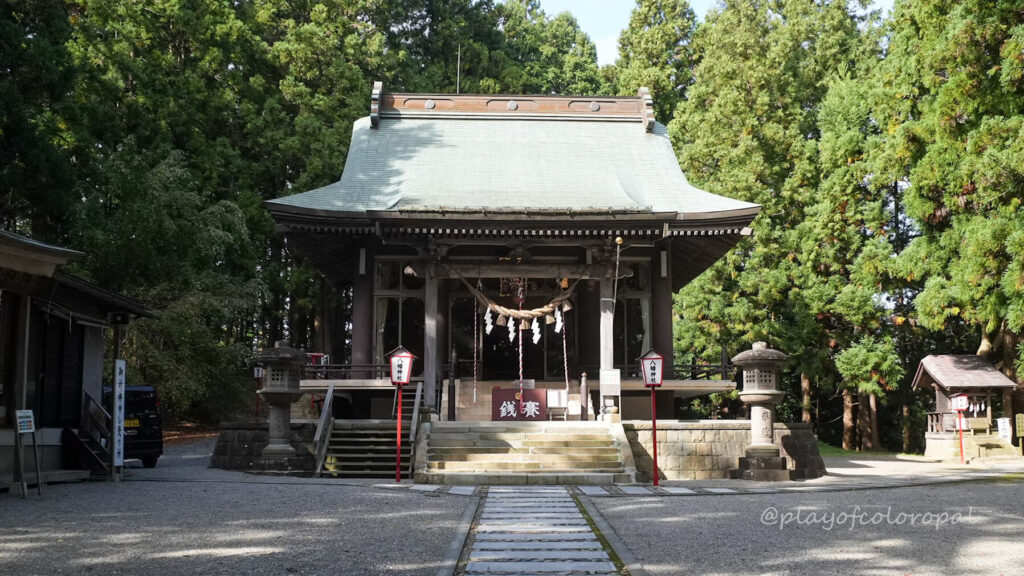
(26, 421)
(1004, 429)
(119, 368)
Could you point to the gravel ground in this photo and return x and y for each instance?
(182, 518)
(719, 535)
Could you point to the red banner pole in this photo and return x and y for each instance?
(398, 440)
(654, 433)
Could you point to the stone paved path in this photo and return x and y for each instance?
(534, 531)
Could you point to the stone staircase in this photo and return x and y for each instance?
(366, 448)
(489, 453)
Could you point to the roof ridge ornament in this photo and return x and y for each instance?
(378, 90)
(648, 108)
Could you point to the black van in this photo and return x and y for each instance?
(143, 428)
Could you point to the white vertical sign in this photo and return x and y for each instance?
(119, 368)
(1005, 432)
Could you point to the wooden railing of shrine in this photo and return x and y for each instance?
(691, 371)
(344, 371)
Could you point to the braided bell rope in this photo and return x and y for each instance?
(544, 310)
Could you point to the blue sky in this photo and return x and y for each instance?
(604, 19)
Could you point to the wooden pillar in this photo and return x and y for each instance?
(661, 309)
(443, 354)
(21, 347)
(607, 307)
(430, 335)
(441, 348)
(362, 311)
(585, 323)
(607, 339)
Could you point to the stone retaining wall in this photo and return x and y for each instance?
(240, 444)
(705, 449)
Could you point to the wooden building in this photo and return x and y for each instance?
(445, 198)
(52, 332)
(978, 379)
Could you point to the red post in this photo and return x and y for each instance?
(960, 427)
(654, 433)
(398, 440)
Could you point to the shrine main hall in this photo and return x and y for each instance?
(510, 243)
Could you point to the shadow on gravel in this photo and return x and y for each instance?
(223, 524)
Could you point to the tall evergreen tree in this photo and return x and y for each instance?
(953, 109)
(36, 75)
(655, 51)
(748, 129)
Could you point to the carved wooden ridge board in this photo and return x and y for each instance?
(496, 106)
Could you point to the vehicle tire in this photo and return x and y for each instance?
(149, 461)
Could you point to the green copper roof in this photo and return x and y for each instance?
(520, 165)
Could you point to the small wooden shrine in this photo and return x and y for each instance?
(978, 379)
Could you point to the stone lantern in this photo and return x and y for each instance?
(282, 369)
(760, 391)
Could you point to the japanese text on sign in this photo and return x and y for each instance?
(26, 421)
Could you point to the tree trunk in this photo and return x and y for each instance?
(905, 412)
(805, 391)
(876, 443)
(849, 430)
(864, 422)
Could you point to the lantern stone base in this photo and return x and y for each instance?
(763, 468)
(278, 448)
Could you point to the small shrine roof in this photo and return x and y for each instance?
(960, 372)
(438, 156)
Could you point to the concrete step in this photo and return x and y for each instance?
(376, 455)
(607, 454)
(355, 439)
(605, 466)
(549, 428)
(363, 466)
(522, 478)
(366, 473)
(521, 436)
(469, 441)
(467, 450)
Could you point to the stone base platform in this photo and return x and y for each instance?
(711, 449)
(240, 447)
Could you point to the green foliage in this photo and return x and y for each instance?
(870, 365)
(655, 52)
(148, 134)
(953, 110)
(35, 77)
(747, 130)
